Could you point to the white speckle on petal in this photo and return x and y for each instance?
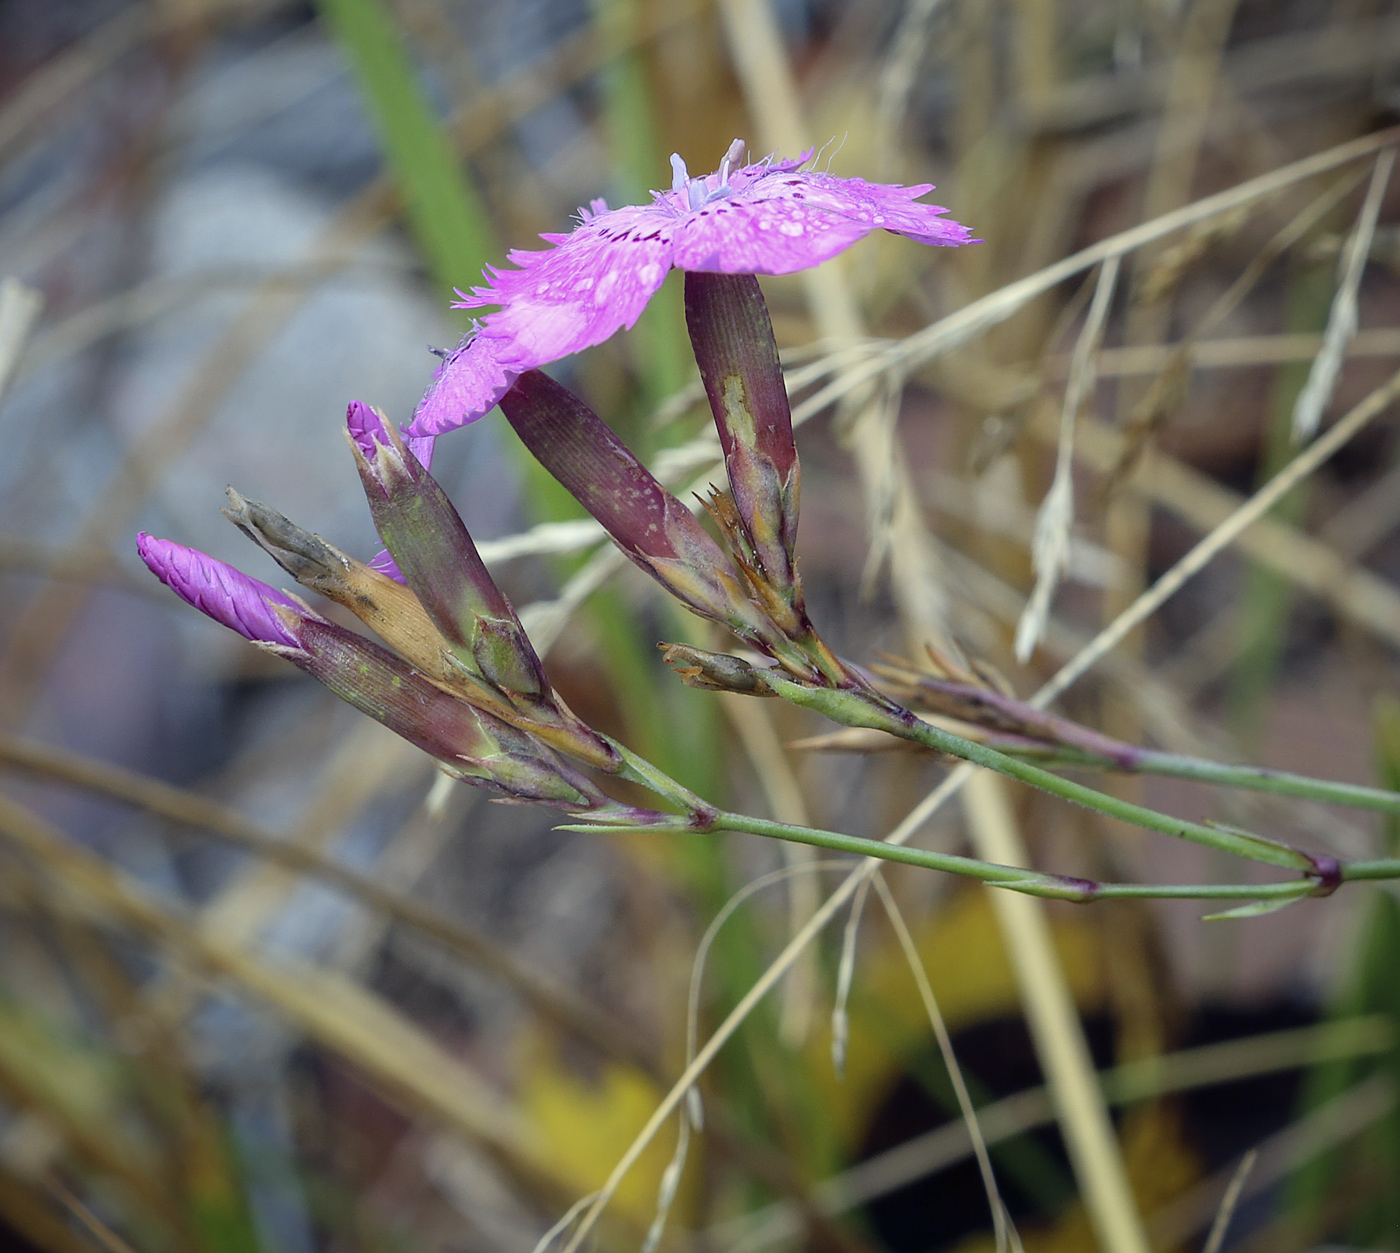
(583, 284)
(648, 274)
(792, 228)
(606, 284)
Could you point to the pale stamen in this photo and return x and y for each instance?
(680, 176)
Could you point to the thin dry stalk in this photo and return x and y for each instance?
(692, 1116)
(845, 978)
(1342, 1118)
(1303, 465)
(44, 623)
(1341, 321)
(1050, 546)
(1167, 390)
(189, 809)
(1212, 544)
(897, 524)
(1356, 594)
(106, 1238)
(1236, 352)
(366, 760)
(20, 307)
(1025, 1111)
(773, 769)
(1228, 1202)
(766, 74)
(334, 1011)
(997, 306)
(46, 619)
(907, 49)
(1056, 1029)
(1004, 1229)
(762, 986)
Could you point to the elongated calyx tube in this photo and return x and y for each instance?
(648, 523)
(738, 358)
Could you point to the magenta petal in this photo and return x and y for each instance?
(889, 207)
(783, 220)
(767, 218)
(465, 387)
(229, 596)
(772, 235)
(564, 299)
(366, 428)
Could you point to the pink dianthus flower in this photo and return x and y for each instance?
(771, 217)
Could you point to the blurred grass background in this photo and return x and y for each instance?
(266, 986)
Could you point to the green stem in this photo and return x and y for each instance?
(1221, 774)
(1383, 868)
(1016, 878)
(1021, 730)
(1321, 875)
(639, 770)
(1279, 782)
(854, 708)
(1013, 878)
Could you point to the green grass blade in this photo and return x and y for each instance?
(444, 213)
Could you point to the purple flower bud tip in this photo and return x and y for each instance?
(770, 217)
(229, 596)
(369, 429)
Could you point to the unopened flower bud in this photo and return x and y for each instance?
(648, 523)
(466, 741)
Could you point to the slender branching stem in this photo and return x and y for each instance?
(1122, 758)
(1262, 779)
(855, 708)
(1020, 729)
(1382, 868)
(1031, 882)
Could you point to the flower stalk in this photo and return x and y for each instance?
(1019, 729)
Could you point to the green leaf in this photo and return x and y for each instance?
(1255, 909)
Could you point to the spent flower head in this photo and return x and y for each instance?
(771, 217)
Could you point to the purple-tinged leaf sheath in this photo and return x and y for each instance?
(738, 358)
(243, 604)
(439, 561)
(648, 523)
